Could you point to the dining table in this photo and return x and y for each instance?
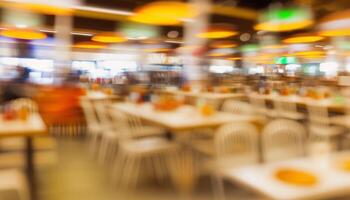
(97, 96)
(216, 98)
(183, 122)
(333, 104)
(330, 174)
(184, 118)
(30, 128)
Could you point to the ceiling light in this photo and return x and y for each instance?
(283, 19)
(90, 45)
(173, 34)
(108, 37)
(336, 24)
(223, 44)
(163, 13)
(216, 31)
(303, 38)
(234, 58)
(309, 53)
(24, 34)
(245, 37)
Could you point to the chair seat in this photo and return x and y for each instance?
(326, 130)
(147, 145)
(111, 134)
(14, 180)
(146, 131)
(94, 129)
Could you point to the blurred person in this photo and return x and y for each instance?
(17, 87)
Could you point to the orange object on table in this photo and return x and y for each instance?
(207, 110)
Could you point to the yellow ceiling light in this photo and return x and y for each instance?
(268, 26)
(217, 54)
(42, 8)
(309, 53)
(90, 45)
(217, 31)
(336, 32)
(108, 38)
(234, 58)
(335, 24)
(24, 34)
(159, 50)
(223, 44)
(303, 38)
(164, 13)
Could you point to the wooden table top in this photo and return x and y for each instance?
(33, 126)
(185, 117)
(331, 179)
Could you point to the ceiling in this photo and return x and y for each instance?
(321, 7)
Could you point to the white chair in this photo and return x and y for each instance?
(236, 145)
(93, 125)
(109, 134)
(237, 107)
(288, 110)
(260, 107)
(322, 133)
(139, 129)
(320, 122)
(283, 139)
(134, 151)
(14, 180)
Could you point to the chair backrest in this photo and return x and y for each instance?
(104, 118)
(237, 107)
(318, 114)
(121, 124)
(89, 112)
(283, 138)
(237, 143)
(25, 102)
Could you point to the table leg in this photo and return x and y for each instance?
(30, 167)
(184, 171)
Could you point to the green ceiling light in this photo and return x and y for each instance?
(248, 48)
(285, 19)
(284, 60)
(21, 18)
(139, 31)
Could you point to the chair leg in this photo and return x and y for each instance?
(218, 187)
(119, 164)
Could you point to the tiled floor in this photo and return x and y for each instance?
(77, 176)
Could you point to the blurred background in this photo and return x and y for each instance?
(121, 99)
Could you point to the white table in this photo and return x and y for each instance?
(215, 98)
(332, 181)
(185, 117)
(34, 126)
(330, 103)
(95, 96)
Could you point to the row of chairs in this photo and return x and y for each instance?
(318, 116)
(129, 143)
(126, 142)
